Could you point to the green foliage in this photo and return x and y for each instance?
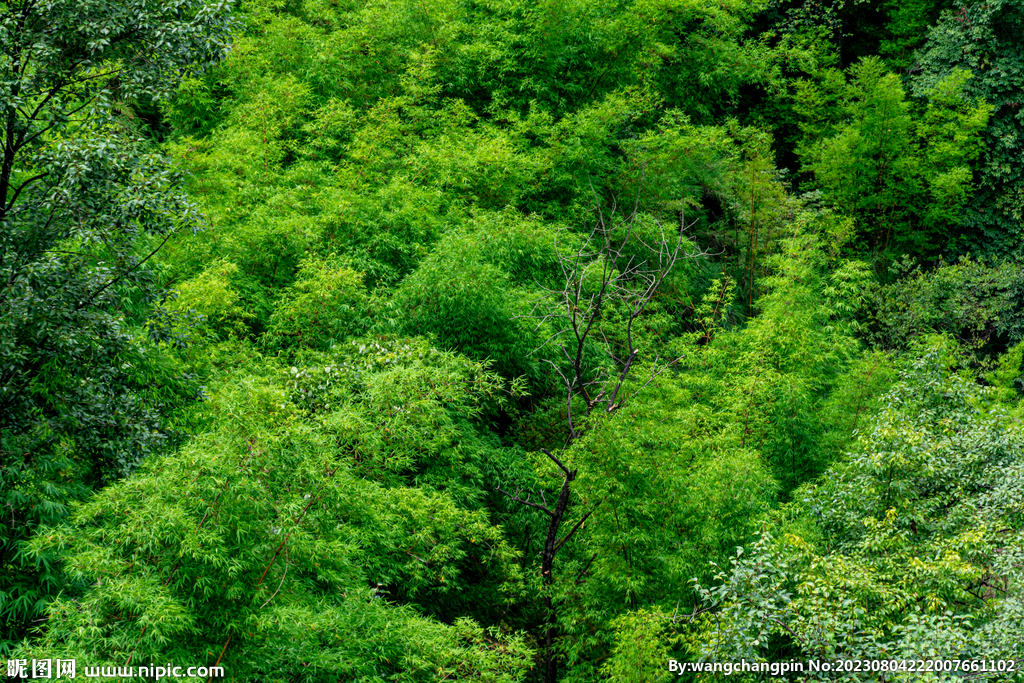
(84, 203)
(390, 220)
(640, 652)
(214, 296)
(906, 30)
(326, 303)
(470, 305)
(920, 532)
(670, 489)
(407, 119)
(1008, 377)
(412, 406)
(982, 37)
(903, 174)
(977, 304)
(771, 377)
(886, 28)
(287, 535)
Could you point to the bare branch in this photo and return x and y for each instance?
(586, 568)
(573, 531)
(696, 612)
(558, 462)
(614, 265)
(527, 501)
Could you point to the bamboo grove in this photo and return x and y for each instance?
(512, 341)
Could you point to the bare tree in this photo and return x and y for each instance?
(614, 266)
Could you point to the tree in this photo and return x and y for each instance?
(311, 535)
(978, 304)
(609, 281)
(908, 549)
(900, 168)
(83, 207)
(681, 472)
(983, 38)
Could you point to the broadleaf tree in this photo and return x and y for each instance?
(84, 203)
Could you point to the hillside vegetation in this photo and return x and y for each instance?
(512, 341)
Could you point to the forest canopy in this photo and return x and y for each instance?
(495, 340)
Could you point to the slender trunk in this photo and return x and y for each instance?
(551, 545)
(11, 140)
(10, 145)
(753, 247)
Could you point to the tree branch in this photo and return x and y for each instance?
(574, 529)
(558, 462)
(527, 501)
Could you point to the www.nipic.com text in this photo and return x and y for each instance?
(66, 669)
(974, 666)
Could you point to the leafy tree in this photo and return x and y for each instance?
(291, 542)
(775, 376)
(640, 653)
(470, 305)
(979, 305)
(326, 303)
(84, 204)
(884, 28)
(903, 174)
(982, 37)
(909, 548)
